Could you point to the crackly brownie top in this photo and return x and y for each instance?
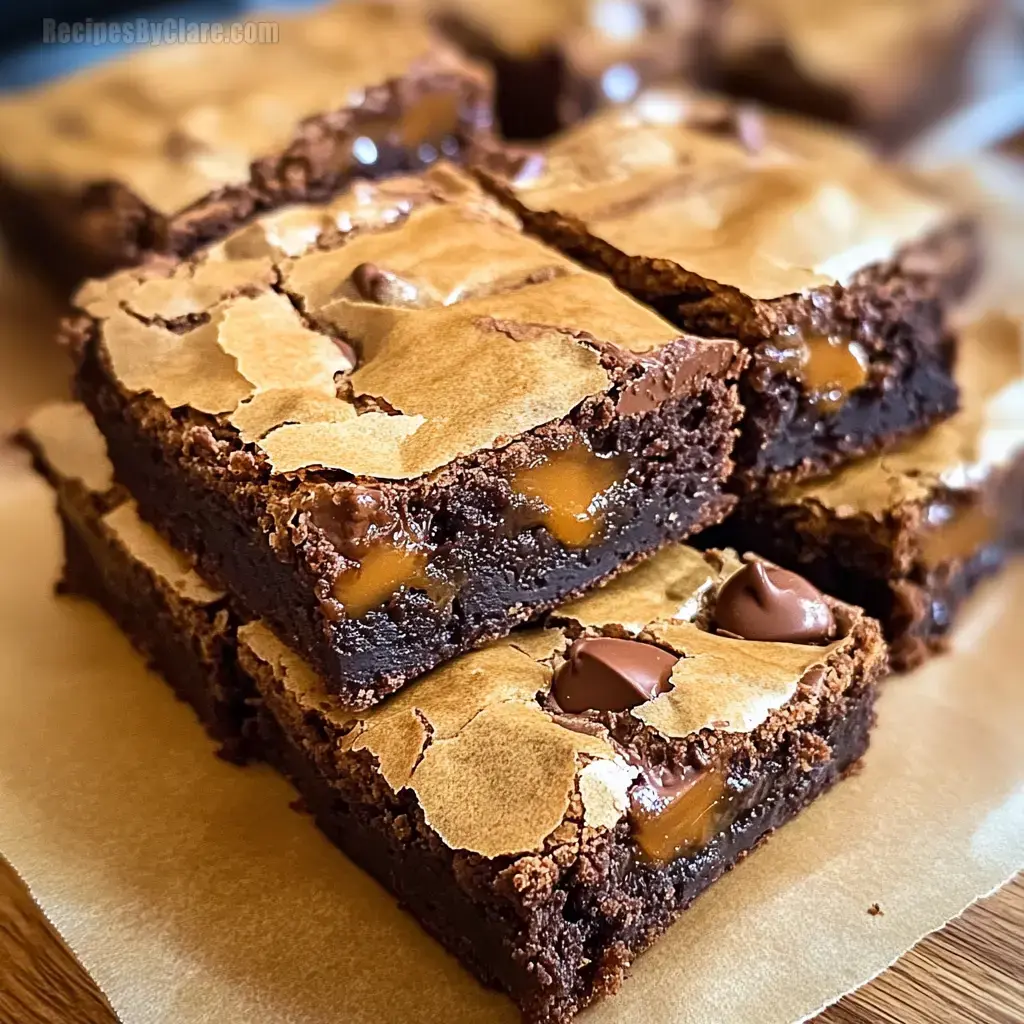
(853, 45)
(698, 652)
(175, 122)
(766, 204)
(387, 333)
(958, 454)
(64, 437)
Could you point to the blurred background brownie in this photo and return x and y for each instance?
(888, 68)
(170, 146)
(556, 61)
(833, 270)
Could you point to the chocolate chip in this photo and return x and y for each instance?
(608, 674)
(366, 277)
(375, 284)
(349, 516)
(764, 602)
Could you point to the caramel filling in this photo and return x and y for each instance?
(565, 490)
(956, 533)
(383, 570)
(832, 368)
(669, 825)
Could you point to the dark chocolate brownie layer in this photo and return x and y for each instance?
(834, 271)
(545, 900)
(910, 533)
(181, 626)
(887, 70)
(92, 181)
(509, 429)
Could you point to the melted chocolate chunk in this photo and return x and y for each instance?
(375, 284)
(350, 517)
(764, 602)
(608, 674)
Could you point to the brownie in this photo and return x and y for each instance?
(396, 427)
(555, 61)
(180, 624)
(908, 534)
(174, 145)
(888, 69)
(834, 271)
(546, 807)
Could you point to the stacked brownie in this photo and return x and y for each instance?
(887, 69)
(546, 806)
(833, 271)
(326, 467)
(473, 499)
(396, 426)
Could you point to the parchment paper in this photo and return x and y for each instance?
(192, 892)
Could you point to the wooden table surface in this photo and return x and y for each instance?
(972, 971)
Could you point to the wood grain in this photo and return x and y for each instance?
(971, 972)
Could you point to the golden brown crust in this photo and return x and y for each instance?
(432, 353)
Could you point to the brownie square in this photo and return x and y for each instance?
(548, 806)
(172, 146)
(396, 427)
(833, 271)
(908, 534)
(556, 62)
(180, 624)
(887, 69)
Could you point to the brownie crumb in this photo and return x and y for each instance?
(875, 910)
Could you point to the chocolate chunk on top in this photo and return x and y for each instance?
(764, 602)
(611, 674)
